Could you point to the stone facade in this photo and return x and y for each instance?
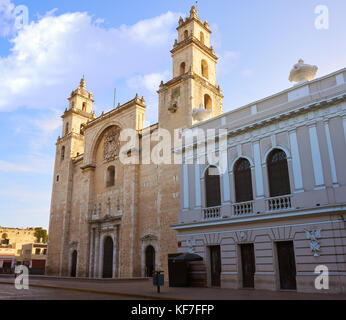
(12, 241)
(107, 213)
(306, 125)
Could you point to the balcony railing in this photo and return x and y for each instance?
(243, 208)
(279, 203)
(211, 213)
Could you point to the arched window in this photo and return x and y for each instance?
(204, 67)
(84, 107)
(182, 68)
(207, 102)
(186, 34)
(243, 181)
(201, 37)
(212, 187)
(279, 181)
(110, 176)
(66, 128)
(62, 152)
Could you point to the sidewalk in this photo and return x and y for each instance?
(143, 288)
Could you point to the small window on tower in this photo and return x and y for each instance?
(207, 102)
(182, 68)
(63, 153)
(110, 176)
(186, 34)
(201, 37)
(204, 67)
(84, 107)
(66, 128)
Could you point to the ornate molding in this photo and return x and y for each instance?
(314, 235)
(149, 237)
(111, 144)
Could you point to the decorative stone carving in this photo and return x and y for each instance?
(174, 107)
(191, 243)
(149, 237)
(302, 72)
(313, 235)
(111, 144)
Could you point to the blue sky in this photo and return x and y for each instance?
(126, 45)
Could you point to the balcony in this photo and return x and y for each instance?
(242, 208)
(279, 203)
(212, 213)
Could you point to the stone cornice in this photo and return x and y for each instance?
(88, 167)
(85, 95)
(135, 102)
(68, 136)
(77, 111)
(190, 75)
(189, 20)
(105, 219)
(300, 109)
(197, 42)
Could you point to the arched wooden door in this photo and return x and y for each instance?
(74, 264)
(149, 261)
(108, 258)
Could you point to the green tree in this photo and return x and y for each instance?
(41, 233)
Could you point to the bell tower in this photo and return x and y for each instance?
(193, 94)
(68, 147)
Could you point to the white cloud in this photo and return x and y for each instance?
(149, 81)
(6, 17)
(38, 163)
(49, 56)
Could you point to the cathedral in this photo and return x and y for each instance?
(109, 219)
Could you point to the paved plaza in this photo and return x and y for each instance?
(45, 288)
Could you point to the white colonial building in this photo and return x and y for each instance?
(278, 212)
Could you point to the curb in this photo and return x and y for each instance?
(114, 293)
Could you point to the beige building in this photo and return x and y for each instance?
(34, 256)
(11, 242)
(278, 210)
(110, 219)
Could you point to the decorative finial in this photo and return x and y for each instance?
(302, 72)
(181, 21)
(82, 83)
(193, 12)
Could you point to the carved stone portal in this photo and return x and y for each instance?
(111, 144)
